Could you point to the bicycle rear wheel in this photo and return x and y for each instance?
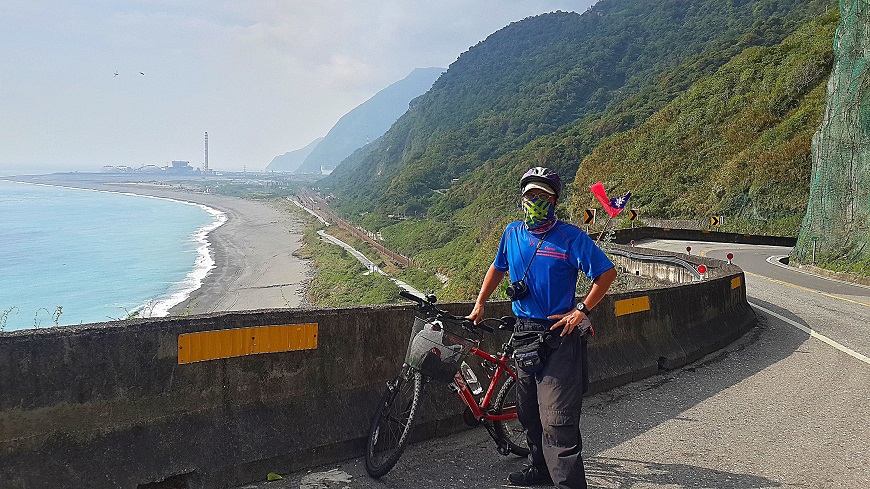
(391, 425)
(510, 431)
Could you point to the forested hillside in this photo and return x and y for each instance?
(735, 144)
(550, 89)
(597, 71)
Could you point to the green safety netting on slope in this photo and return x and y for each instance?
(836, 227)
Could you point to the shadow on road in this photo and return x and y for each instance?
(613, 417)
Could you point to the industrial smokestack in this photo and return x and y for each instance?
(206, 153)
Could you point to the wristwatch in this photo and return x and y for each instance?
(582, 308)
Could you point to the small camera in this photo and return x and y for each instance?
(517, 290)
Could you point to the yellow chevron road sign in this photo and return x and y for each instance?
(589, 216)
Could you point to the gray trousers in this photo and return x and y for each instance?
(549, 404)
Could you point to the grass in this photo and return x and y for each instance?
(339, 279)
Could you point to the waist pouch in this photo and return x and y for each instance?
(530, 350)
(533, 342)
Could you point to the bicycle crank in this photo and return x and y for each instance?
(501, 445)
(469, 417)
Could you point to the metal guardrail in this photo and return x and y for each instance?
(658, 259)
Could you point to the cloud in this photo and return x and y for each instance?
(261, 76)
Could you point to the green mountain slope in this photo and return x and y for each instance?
(547, 74)
(736, 143)
(723, 109)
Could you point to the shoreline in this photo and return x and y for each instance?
(255, 266)
(203, 266)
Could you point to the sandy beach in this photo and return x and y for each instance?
(253, 251)
(255, 267)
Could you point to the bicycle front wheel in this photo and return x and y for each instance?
(391, 425)
(510, 431)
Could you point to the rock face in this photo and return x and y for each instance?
(836, 228)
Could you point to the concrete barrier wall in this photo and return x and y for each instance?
(108, 405)
(624, 236)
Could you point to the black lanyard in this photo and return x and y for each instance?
(538, 247)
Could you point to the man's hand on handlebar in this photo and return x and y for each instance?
(476, 314)
(427, 306)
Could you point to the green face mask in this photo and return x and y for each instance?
(538, 212)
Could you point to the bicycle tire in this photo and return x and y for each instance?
(391, 425)
(511, 432)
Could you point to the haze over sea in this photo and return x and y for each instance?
(98, 255)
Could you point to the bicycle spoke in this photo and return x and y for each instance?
(510, 430)
(389, 432)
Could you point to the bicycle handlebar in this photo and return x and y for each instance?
(408, 295)
(427, 305)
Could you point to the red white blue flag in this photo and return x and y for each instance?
(612, 206)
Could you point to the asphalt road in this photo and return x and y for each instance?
(787, 405)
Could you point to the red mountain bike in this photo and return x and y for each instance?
(437, 351)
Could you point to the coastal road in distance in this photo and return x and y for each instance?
(787, 405)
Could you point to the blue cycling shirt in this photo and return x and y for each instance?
(552, 275)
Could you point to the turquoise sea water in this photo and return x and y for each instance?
(98, 255)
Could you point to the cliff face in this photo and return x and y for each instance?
(836, 227)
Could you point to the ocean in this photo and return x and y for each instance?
(71, 256)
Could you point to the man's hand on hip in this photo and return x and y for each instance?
(569, 320)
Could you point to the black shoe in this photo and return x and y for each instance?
(530, 476)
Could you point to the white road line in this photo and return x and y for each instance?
(775, 260)
(815, 335)
(806, 289)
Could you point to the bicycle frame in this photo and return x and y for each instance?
(480, 410)
(393, 421)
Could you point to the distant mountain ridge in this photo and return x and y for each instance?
(369, 120)
(292, 160)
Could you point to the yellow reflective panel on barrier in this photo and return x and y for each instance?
(629, 306)
(227, 343)
(735, 282)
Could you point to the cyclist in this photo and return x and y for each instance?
(547, 254)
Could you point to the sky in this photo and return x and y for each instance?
(90, 83)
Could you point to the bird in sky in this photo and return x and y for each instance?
(116, 73)
(143, 74)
